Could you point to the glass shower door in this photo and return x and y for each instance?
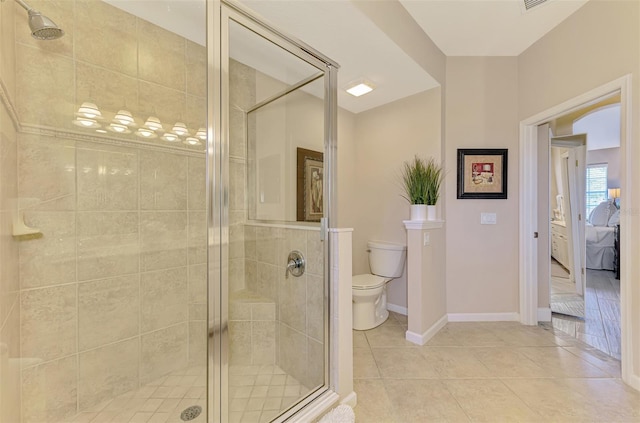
(277, 286)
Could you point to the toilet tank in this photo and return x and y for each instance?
(386, 259)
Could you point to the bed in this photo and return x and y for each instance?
(600, 236)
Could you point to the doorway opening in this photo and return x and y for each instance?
(534, 305)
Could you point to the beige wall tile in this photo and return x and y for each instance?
(46, 172)
(163, 351)
(292, 299)
(315, 307)
(292, 352)
(196, 63)
(108, 311)
(163, 237)
(266, 283)
(45, 98)
(198, 284)
(196, 116)
(10, 379)
(49, 391)
(108, 88)
(197, 343)
(250, 274)
(197, 237)
(107, 372)
(250, 242)
(168, 104)
(163, 181)
(107, 177)
(236, 275)
(263, 342)
(107, 244)
(7, 44)
(315, 254)
(267, 242)
(237, 133)
(197, 183)
(161, 56)
(236, 241)
(49, 260)
(237, 186)
(239, 310)
(106, 36)
(163, 297)
(260, 311)
(197, 312)
(242, 85)
(240, 342)
(49, 318)
(315, 366)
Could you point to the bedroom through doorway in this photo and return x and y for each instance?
(584, 202)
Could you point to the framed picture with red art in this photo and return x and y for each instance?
(482, 173)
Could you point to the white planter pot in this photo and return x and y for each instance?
(431, 212)
(419, 212)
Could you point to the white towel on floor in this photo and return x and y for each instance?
(341, 414)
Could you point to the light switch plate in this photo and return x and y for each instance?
(488, 219)
(425, 239)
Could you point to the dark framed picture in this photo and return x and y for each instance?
(482, 173)
(310, 179)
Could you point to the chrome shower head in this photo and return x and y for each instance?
(42, 28)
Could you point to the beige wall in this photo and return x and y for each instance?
(384, 138)
(9, 270)
(482, 260)
(595, 45)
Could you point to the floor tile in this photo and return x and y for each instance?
(490, 401)
(364, 365)
(423, 401)
(373, 403)
(403, 363)
(454, 362)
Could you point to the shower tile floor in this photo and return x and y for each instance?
(257, 394)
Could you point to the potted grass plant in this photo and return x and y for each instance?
(421, 180)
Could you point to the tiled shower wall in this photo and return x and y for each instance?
(273, 319)
(113, 295)
(9, 277)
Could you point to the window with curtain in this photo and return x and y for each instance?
(596, 185)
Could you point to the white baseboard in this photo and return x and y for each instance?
(397, 309)
(422, 339)
(484, 317)
(632, 380)
(544, 314)
(351, 400)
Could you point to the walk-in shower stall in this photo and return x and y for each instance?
(166, 185)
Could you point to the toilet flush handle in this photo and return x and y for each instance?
(295, 264)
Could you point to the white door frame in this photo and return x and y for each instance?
(529, 206)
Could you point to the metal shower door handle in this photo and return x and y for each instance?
(295, 264)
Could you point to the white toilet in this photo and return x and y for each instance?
(369, 291)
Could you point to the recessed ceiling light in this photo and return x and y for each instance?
(360, 87)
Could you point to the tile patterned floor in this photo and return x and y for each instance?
(256, 395)
(486, 372)
(157, 402)
(601, 325)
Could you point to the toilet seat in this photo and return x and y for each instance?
(368, 281)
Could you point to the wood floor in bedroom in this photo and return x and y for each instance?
(601, 325)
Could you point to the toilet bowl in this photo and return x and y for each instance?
(369, 291)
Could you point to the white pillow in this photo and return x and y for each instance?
(614, 219)
(600, 215)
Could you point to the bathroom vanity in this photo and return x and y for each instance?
(560, 242)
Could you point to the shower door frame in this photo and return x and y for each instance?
(218, 14)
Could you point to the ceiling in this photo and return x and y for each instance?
(339, 30)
